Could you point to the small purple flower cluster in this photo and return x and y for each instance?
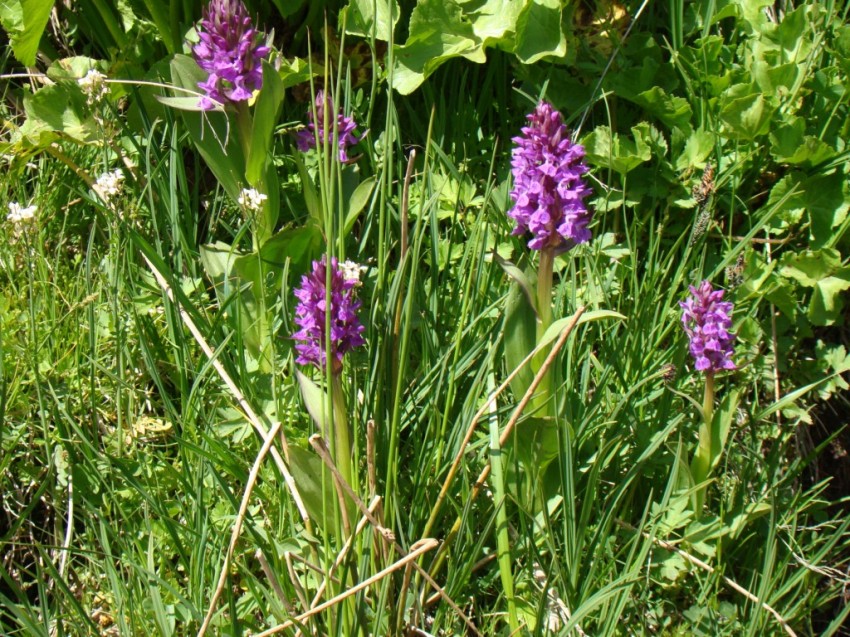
(311, 315)
(549, 188)
(231, 52)
(707, 319)
(306, 139)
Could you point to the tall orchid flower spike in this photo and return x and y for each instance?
(231, 51)
(306, 139)
(549, 187)
(706, 318)
(311, 315)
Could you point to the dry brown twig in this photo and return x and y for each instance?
(421, 547)
(344, 551)
(506, 433)
(321, 448)
(248, 411)
(237, 526)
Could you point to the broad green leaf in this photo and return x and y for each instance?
(752, 11)
(438, 32)
(297, 245)
(536, 441)
(211, 132)
(539, 33)
(266, 110)
(58, 108)
(639, 78)
(554, 330)
(712, 440)
(311, 197)
(791, 145)
(673, 111)
(841, 43)
(518, 276)
(365, 17)
(355, 204)
(782, 296)
(315, 485)
(295, 71)
(699, 146)
(832, 360)
(827, 302)
(827, 200)
(315, 401)
(25, 21)
(74, 68)
(236, 290)
(520, 334)
(822, 271)
(746, 117)
(646, 135)
(776, 79)
(724, 416)
(811, 266)
(786, 198)
(288, 7)
(186, 104)
(495, 21)
(794, 33)
(615, 152)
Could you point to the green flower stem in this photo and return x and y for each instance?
(245, 126)
(261, 230)
(262, 227)
(701, 464)
(341, 438)
(544, 320)
(503, 545)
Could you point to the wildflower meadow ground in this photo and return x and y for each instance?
(424, 317)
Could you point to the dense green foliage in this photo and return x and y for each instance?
(717, 134)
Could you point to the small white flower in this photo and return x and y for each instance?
(19, 214)
(109, 185)
(350, 271)
(94, 86)
(251, 199)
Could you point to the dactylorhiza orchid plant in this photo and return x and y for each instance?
(707, 320)
(232, 124)
(330, 328)
(323, 128)
(549, 192)
(231, 51)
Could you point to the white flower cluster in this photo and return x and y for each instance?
(94, 86)
(19, 214)
(109, 185)
(251, 199)
(350, 271)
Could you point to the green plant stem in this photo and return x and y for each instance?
(544, 320)
(341, 442)
(502, 540)
(701, 464)
(262, 225)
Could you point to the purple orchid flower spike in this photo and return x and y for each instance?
(231, 51)
(707, 319)
(311, 314)
(306, 139)
(549, 188)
